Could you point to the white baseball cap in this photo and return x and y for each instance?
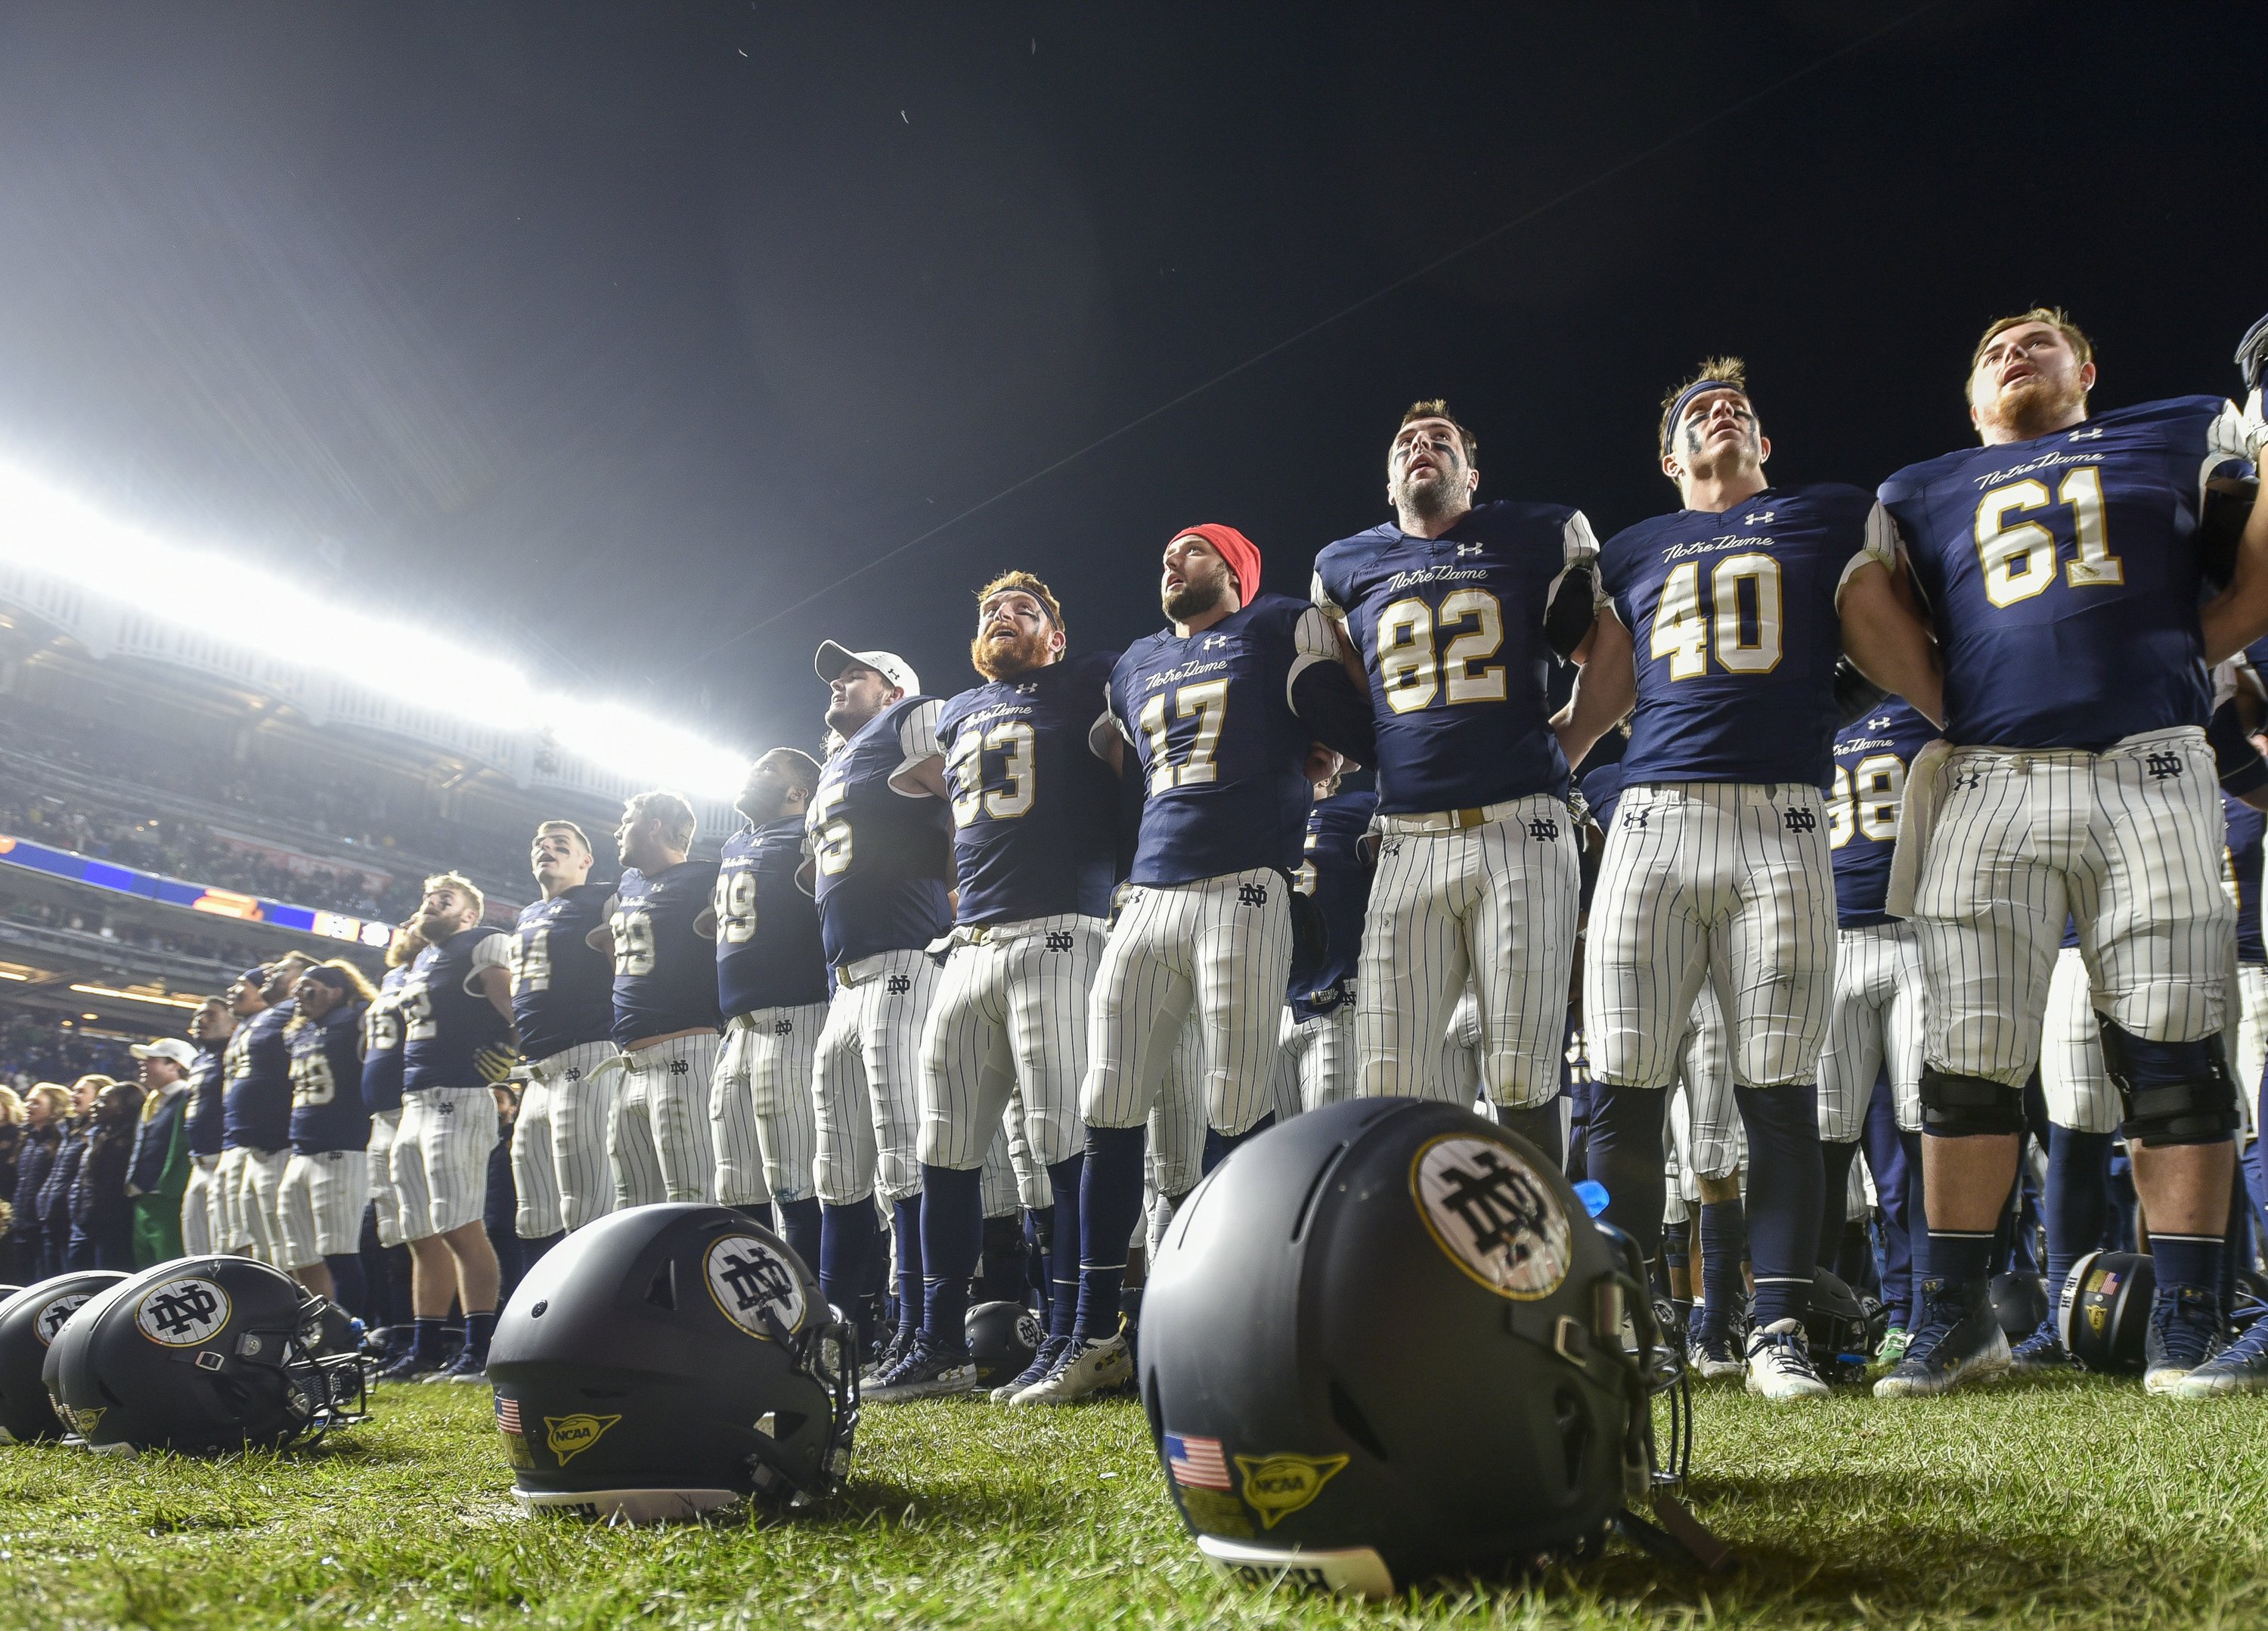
(171, 1048)
(834, 657)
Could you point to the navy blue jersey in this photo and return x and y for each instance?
(2063, 577)
(327, 1110)
(1034, 810)
(562, 992)
(881, 860)
(1335, 869)
(1451, 634)
(381, 1045)
(1732, 618)
(446, 1022)
(2245, 827)
(1871, 756)
(257, 1112)
(208, 1079)
(1222, 753)
(665, 960)
(767, 950)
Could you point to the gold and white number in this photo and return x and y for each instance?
(1208, 701)
(1865, 802)
(2018, 558)
(312, 1081)
(633, 932)
(831, 849)
(530, 961)
(734, 904)
(1685, 631)
(964, 767)
(1408, 672)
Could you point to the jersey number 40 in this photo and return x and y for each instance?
(1687, 632)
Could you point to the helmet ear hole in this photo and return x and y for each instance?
(1352, 1422)
(1574, 1424)
(663, 1292)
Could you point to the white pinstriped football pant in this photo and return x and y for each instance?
(866, 1079)
(1322, 1055)
(1006, 1041)
(560, 1169)
(1729, 883)
(385, 1199)
(1495, 903)
(2074, 1078)
(1706, 1137)
(200, 1207)
(1174, 1158)
(2128, 843)
(319, 1205)
(764, 1122)
(1876, 1022)
(657, 1143)
(1218, 948)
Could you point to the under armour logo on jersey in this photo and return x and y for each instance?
(1213, 642)
(1969, 778)
(1029, 688)
(1252, 895)
(2088, 435)
(1543, 830)
(1463, 549)
(1761, 518)
(679, 1067)
(1880, 722)
(1633, 818)
(783, 1026)
(2163, 764)
(901, 984)
(1801, 821)
(1059, 939)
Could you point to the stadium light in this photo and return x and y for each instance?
(135, 996)
(58, 535)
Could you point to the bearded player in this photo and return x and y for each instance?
(1035, 850)
(1216, 709)
(1441, 618)
(2061, 565)
(1717, 869)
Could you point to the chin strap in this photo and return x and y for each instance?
(827, 1352)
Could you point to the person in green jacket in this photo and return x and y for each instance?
(159, 1169)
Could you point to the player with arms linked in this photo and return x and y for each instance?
(457, 1040)
(771, 987)
(880, 843)
(1217, 710)
(327, 1184)
(661, 931)
(1717, 867)
(1335, 872)
(209, 1028)
(563, 1008)
(2062, 568)
(1034, 846)
(257, 1109)
(1441, 617)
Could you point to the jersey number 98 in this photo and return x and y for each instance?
(1866, 799)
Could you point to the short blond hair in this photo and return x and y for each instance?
(12, 1106)
(1730, 371)
(673, 810)
(463, 885)
(2054, 316)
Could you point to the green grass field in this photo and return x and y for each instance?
(2065, 1503)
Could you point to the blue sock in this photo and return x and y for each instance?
(1110, 1204)
(1062, 1257)
(1005, 1271)
(798, 1222)
(349, 1288)
(1834, 1159)
(2075, 1202)
(1960, 1257)
(426, 1342)
(478, 1329)
(1724, 1241)
(1917, 1224)
(1785, 1177)
(905, 1232)
(847, 1236)
(1219, 1146)
(951, 1224)
(2186, 1262)
(1625, 1155)
(1538, 1124)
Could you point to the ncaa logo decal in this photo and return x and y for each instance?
(1493, 1214)
(749, 1279)
(181, 1313)
(52, 1317)
(569, 1436)
(1275, 1487)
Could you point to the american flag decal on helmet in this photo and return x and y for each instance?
(1197, 1463)
(507, 1414)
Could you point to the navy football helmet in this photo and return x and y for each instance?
(201, 1355)
(1002, 1339)
(29, 1322)
(667, 1359)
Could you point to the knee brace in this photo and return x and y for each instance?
(2175, 1092)
(1967, 1107)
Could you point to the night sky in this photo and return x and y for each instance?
(604, 334)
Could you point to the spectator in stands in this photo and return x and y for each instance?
(56, 1193)
(158, 1175)
(101, 1211)
(46, 1109)
(12, 1147)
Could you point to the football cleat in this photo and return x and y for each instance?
(1081, 1372)
(893, 1349)
(465, 1368)
(1959, 1340)
(1051, 1350)
(2239, 1368)
(1779, 1363)
(1894, 1346)
(2184, 1331)
(411, 1367)
(928, 1369)
(2043, 1351)
(1714, 1358)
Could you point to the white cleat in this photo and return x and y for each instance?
(1081, 1373)
(1780, 1365)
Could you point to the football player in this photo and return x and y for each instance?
(203, 1230)
(456, 1029)
(257, 1109)
(327, 1184)
(563, 1008)
(661, 929)
(2064, 544)
(1319, 1012)
(772, 987)
(881, 857)
(1035, 850)
(381, 1099)
(1717, 868)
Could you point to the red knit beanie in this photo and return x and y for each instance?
(1242, 554)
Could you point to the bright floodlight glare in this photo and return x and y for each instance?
(57, 535)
